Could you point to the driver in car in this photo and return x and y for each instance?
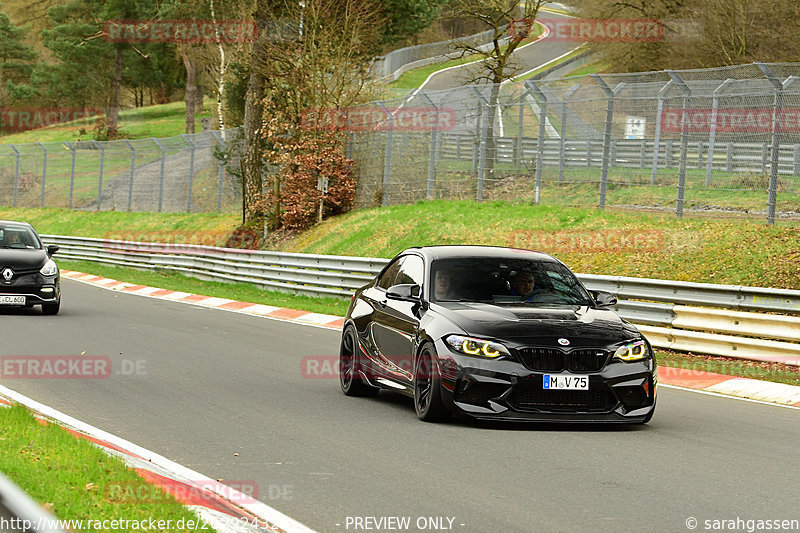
(444, 286)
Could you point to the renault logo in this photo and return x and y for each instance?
(563, 342)
(7, 274)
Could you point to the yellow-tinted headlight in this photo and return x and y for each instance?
(633, 351)
(476, 347)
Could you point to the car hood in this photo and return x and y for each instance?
(580, 325)
(22, 260)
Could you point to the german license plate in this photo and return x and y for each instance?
(565, 382)
(12, 300)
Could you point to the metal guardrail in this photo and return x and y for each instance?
(20, 513)
(661, 306)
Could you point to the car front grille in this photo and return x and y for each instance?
(557, 360)
(533, 397)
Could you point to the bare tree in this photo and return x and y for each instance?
(510, 22)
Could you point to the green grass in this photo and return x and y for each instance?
(73, 478)
(735, 251)
(211, 229)
(234, 291)
(164, 120)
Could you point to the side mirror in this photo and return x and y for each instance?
(406, 292)
(604, 299)
(52, 248)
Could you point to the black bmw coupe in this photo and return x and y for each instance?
(495, 333)
(28, 275)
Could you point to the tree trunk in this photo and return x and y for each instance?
(113, 108)
(198, 101)
(252, 165)
(190, 95)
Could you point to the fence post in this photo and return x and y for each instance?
(16, 174)
(133, 166)
(776, 136)
(44, 168)
(712, 136)
(221, 167)
(520, 124)
(562, 148)
(483, 128)
(796, 155)
(71, 147)
(161, 175)
(387, 158)
(659, 111)
(687, 95)
(100, 178)
(606, 134)
(191, 172)
(537, 191)
(432, 151)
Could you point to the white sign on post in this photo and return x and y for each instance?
(634, 127)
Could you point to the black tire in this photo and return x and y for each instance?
(349, 365)
(428, 387)
(51, 309)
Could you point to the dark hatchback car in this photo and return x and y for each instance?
(28, 275)
(495, 333)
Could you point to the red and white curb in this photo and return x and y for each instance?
(266, 311)
(751, 389)
(225, 509)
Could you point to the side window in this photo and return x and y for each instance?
(411, 271)
(389, 275)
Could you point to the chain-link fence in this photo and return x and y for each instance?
(722, 139)
(183, 173)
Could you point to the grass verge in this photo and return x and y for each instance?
(74, 479)
(165, 120)
(234, 291)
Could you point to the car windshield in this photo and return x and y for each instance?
(504, 281)
(19, 237)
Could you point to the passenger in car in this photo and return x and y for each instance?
(523, 285)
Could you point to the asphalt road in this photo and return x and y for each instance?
(523, 59)
(214, 383)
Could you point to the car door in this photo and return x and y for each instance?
(399, 321)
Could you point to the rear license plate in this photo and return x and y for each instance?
(565, 382)
(12, 300)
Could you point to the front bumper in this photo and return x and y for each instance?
(508, 390)
(36, 289)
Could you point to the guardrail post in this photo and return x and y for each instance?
(562, 147)
(796, 154)
(712, 136)
(483, 128)
(432, 151)
(606, 134)
(387, 157)
(161, 175)
(520, 133)
(687, 95)
(71, 147)
(776, 136)
(532, 87)
(191, 172)
(100, 177)
(133, 166)
(221, 168)
(16, 174)
(659, 111)
(44, 169)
